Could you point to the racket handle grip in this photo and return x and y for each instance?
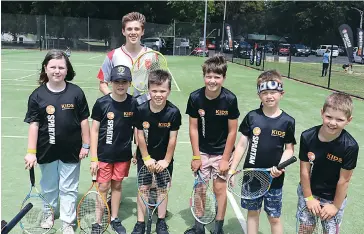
(32, 176)
(293, 159)
(17, 218)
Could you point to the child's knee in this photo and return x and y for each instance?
(116, 185)
(253, 213)
(104, 187)
(274, 221)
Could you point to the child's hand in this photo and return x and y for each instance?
(134, 160)
(30, 160)
(196, 164)
(94, 167)
(275, 172)
(150, 163)
(328, 211)
(314, 206)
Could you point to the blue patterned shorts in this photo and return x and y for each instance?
(272, 203)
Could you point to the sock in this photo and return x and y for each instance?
(112, 219)
(218, 226)
(160, 219)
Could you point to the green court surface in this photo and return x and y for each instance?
(19, 73)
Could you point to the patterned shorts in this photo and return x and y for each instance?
(272, 203)
(308, 217)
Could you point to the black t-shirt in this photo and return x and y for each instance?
(116, 128)
(267, 138)
(157, 127)
(327, 158)
(213, 118)
(59, 115)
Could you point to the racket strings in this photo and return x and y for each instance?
(203, 203)
(93, 210)
(153, 187)
(311, 224)
(40, 218)
(254, 183)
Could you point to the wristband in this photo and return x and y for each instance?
(146, 158)
(310, 198)
(231, 172)
(196, 157)
(94, 159)
(32, 151)
(86, 146)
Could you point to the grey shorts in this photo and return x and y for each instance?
(305, 216)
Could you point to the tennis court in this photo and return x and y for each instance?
(19, 73)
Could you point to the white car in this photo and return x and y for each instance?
(322, 49)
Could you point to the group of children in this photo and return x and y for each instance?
(59, 137)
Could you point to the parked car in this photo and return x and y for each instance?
(322, 49)
(198, 51)
(300, 50)
(342, 50)
(283, 49)
(155, 43)
(243, 49)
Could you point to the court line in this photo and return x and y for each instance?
(10, 69)
(96, 56)
(239, 215)
(23, 77)
(174, 81)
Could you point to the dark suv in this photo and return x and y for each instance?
(300, 50)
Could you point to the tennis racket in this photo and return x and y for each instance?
(145, 63)
(93, 213)
(308, 223)
(40, 218)
(251, 183)
(203, 201)
(147, 182)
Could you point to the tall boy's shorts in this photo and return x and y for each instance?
(112, 171)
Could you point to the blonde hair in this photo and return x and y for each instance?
(133, 16)
(341, 102)
(270, 75)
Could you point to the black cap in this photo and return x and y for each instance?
(120, 72)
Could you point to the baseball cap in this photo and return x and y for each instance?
(120, 72)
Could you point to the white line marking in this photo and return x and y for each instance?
(96, 56)
(10, 69)
(23, 77)
(22, 137)
(237, 211)
(174, 81)
(8, 117)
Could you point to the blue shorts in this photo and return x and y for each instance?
(272, 203)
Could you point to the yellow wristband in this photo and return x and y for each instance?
(94, 159)
(32, 151)
(310, 198)
(231, 172)
(146, 158)
(196, 157)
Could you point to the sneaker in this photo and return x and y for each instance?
(139, 228)
(161, 227)
(117, 226)
(221, 232)
(193, 230)
(67, 228)
(47, 223)
(96, 228)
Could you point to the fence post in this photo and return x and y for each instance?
(45, 31)
(329, 80)
(88, 33)
(290, 58)
(263, 55)
(174, 36)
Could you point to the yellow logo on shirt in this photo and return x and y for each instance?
(128, 114)
(68, 106)
(201, 112)
(50, 109)
(222, 112)
(334, 158)
(278, 133)
(164, 125)
(146, 125)
(311, 156)
(110, 115)
(257, 131)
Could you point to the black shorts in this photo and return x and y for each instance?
(148, 180)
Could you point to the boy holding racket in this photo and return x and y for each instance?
(158, 122)
(328, 155)
(111, 137)
(214, 114)
(132, 29)
(270, 134)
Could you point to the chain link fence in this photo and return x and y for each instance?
(256, 44)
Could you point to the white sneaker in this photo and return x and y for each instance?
(47, 223)
(67, 228)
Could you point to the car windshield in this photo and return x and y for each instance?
(298, 46)
(284, 46)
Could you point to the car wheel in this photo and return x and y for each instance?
(306, 55)
(155, 48)
(362, 61)
(295, 54)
